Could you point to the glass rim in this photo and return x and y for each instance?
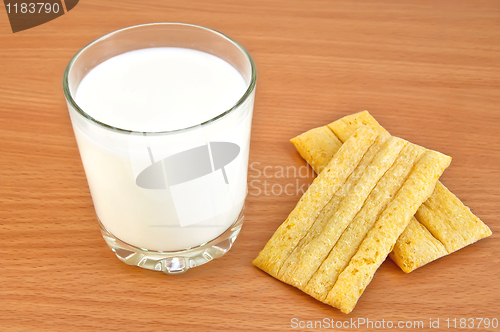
(244, 97)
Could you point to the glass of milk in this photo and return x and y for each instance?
(162, 116)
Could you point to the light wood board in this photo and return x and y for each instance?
(428, 71)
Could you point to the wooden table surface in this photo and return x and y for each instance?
(429, 71)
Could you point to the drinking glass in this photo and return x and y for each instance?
(167, 200)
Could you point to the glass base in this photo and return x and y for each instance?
(174, 262)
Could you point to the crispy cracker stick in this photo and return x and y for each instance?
(318, 137)
(381, 238)
(311, 255)
(435, 222)
(331, 208)
(450, 221)
(345, 248)
(288, 235)
(316, 145)
(414, 252)
(414, 245)
(346, 126)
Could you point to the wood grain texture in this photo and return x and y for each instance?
(428, 71)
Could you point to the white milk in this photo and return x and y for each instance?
(164, 89)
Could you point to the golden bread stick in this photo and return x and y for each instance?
(318, 137)
(415, 247)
